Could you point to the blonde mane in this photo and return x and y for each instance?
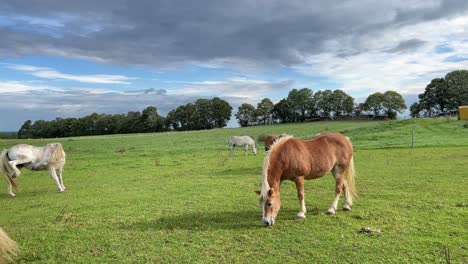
(58, 155)
(266, 164)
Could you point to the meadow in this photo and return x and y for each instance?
(180, 197)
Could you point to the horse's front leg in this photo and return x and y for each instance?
(246, 148)
(55, 178)
(10, 187)
(59, 174)
(14, 163)
(300, 195)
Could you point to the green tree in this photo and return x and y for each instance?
(221, 112)
(284, 112)
(245, 114)
(435, 97)
(151, 120)
(374, 103)
(325, 103)
(132, 123)
(343, 103)
(203, 116)
(25, 130)
(300, 101)
(264, 111)
(415, 110)
(393, 103)
(457, 91)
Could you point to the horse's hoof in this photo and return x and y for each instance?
(12, 195)
(346, 208)
(331, 211)
(300, 217)
(61, 191)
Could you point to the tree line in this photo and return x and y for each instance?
(442, 95)
(303, 104)
(202, 114)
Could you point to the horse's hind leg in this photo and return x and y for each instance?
(348, 197)
(338, 174)
(55, 178)
(246, 148)
(300, 195)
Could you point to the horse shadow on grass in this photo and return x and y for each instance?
(241, 220)
(199, 221)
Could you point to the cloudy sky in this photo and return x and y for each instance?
(71, 58)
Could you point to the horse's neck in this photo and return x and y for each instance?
(42, 153)
(275, 172)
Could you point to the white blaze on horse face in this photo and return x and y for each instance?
(271, 206)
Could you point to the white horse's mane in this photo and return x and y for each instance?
(266, 165)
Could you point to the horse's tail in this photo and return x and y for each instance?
(349, 175)
(6, 169)
(8, 248)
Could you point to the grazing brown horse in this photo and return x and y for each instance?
(298, 160)
(8, 248)
(269, 140)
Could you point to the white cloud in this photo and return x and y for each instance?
(407, 72)
(49, 73)
(241, 87)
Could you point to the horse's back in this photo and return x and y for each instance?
(333, 145)
(315, 157)
(20, 151)
(241, 140)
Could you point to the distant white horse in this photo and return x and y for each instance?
(8, 248)
(50, 157)
(245, 141)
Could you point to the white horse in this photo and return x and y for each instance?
(245, 141)
(50, 157)
(8, 248)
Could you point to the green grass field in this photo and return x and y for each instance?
(180, 198)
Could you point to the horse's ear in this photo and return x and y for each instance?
(271, 192)
(257, 192)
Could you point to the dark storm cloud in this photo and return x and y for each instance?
(173, 33)
(149, 91)
(407, 46)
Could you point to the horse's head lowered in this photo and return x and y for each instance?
(271, 204)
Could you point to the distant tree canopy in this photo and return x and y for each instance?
(442, 95)
(303, 104)
(202, 114)
(245, 115)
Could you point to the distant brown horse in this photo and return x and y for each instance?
(298, 160)
(8, 248)
(269, 140)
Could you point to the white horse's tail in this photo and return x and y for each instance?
(6, 169)
(8, 248)
(349, 175)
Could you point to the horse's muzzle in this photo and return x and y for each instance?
(268, 222)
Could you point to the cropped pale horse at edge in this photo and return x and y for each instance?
(298, 160)
(242, 141)
(50, 157)
(8, 248)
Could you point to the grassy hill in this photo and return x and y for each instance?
(179, 197)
